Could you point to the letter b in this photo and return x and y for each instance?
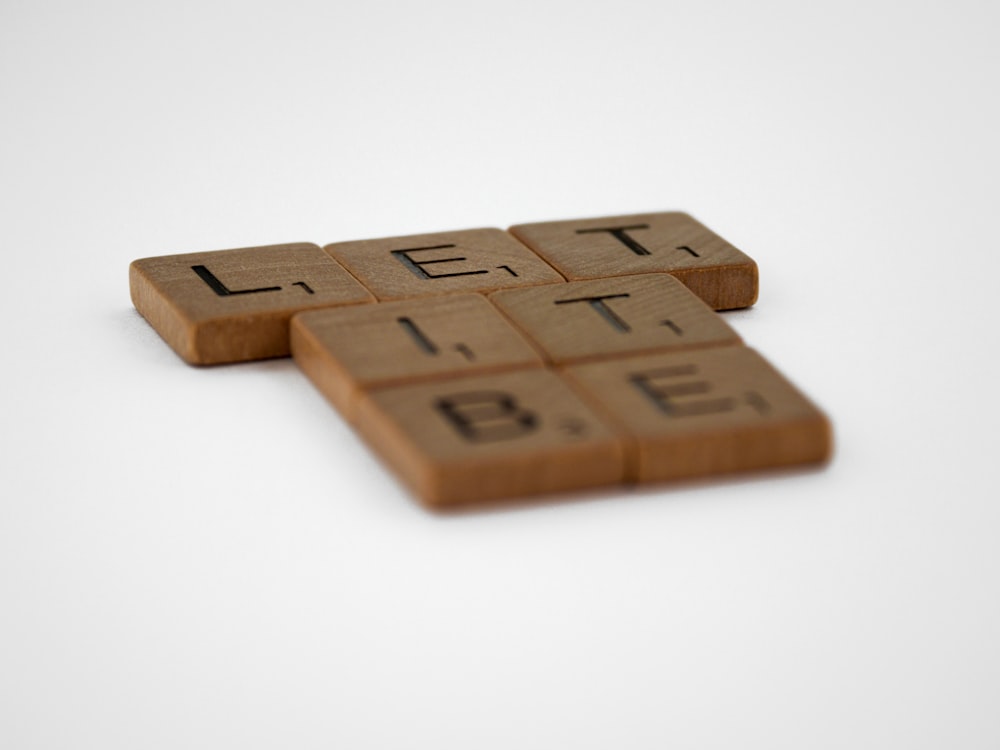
(486, 416)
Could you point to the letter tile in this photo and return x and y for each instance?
(621, 315)
(471, 260)
(670, 242)
(350, 349)
(235, 305)
(705, 412)
(486, 437)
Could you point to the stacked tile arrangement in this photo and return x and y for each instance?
(486, 364)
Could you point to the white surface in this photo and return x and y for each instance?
(209, 558)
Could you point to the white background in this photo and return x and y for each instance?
(207, 558)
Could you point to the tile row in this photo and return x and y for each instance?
(647, 418)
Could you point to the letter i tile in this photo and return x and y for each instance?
(350, 349)
(487, 437)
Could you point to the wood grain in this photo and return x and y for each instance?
(705, 412)
(621, 315)
(478, 372)
(471, 260)
(235, 305)
(349, 349)
(485, 437)
(671, 242)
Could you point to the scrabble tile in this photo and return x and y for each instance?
(642, 243)
(348, 349)
(597, 318)
(235, 305)
(486, 437)
(473, 260)
(705, 412)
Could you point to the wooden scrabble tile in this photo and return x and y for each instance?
(671, 242)
(599, 318)
(235, 305)
(472, 260)
(348, 349)
(705, 412)
(485, 437)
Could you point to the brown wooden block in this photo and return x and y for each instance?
(670, 242)
(601, 318)
(472, 260)
(705, 412)
(235, 305)
(349, 349)
(486, 437)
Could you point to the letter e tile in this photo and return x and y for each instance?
(471, 260)
(705, 412)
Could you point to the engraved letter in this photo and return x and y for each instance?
(602, 309)
(219, 288)
(417, 266)
(663, 388)
(619, 233)
(486, 416)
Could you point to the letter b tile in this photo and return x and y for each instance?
(486, 437)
